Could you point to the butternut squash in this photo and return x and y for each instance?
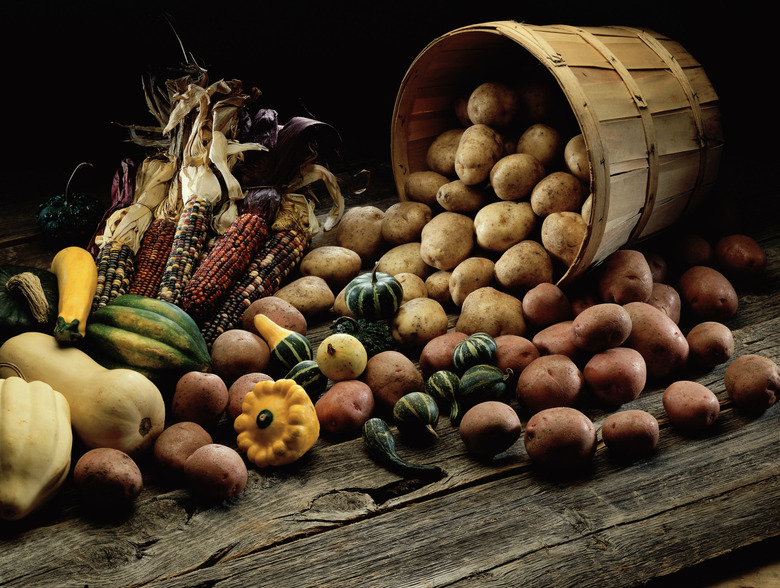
(35, 445)
(76, 273)
(118, 408)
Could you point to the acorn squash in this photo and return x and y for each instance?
(374, 295)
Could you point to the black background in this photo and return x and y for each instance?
(73, 69)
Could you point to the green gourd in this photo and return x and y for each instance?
(373, 296)
(307, 375)
(476, 349)
(380, 444)
(288, 347)
(483, 382)
(416, 413)
(443, 386)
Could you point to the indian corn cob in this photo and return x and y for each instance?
(115, 271)
(224, 264)
(188, 242)
(151, 257)
(280, 255)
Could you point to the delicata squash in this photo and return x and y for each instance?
(35, 445)
(278, 423)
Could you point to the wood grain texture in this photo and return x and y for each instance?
(336, 519)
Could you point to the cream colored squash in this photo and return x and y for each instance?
(118, 408)
(35, 445)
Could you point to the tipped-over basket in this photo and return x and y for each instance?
(646, 108)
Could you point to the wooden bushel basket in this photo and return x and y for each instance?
(646, 109)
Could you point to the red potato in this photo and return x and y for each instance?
(489, 428)
(691, 249)
(107, 477)
(549, 381)
(546, 304)
(514, 352)
(557, 339)
(175, 444)
(437, 353)
(216, 471)
(690, 406)
(615, 376)
(601, 327)
(624, 277)
(658, 339)
(278, 310)
(237, 352)
(199, 397)
(239, 389)
(740, 257)
(344, 408)
(666, 298)
(630, 433)
(658, 266)
(560, 437)
(753, 383)
(708, 294)
(390, 375)
(711, 343)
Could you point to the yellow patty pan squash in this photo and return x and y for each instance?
(278, 423)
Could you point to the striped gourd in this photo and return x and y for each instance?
(223, 265)
(288, 348)
(416, 413)
(476, 349)
(307, 375)
(444, 387)
(380, 444)
(151, 257)
(374, 295)
(115, 271)
(483, 382)
(188, 243)
(280, 254)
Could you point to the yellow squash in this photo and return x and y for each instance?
(77, 283)
(35, 445)
(118, 408)
(278, 423)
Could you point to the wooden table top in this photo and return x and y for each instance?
(335, 518)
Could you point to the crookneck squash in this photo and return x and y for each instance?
(28, 300)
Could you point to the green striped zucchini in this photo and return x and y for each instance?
(476, 349)
(374, 295)
(307, 375)
(415, 413)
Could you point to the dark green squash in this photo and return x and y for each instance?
(476, 349)
(416, 414)
(483, 382)
(307, 375)
(373, 296)
(380, 444)
(443, 386)
(15, 314)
